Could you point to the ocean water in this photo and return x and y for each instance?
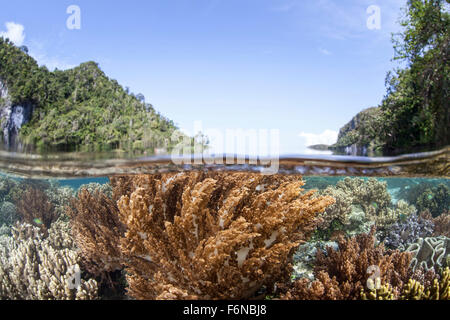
(47, 250)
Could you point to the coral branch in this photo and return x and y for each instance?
(97, 231)
(35, 208)
(213, 235)
(342, 274)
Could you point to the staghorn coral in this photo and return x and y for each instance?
(342, 274)
(430, 253)
(97, 231)
(34, 267)
(35, 208)
(212, 235)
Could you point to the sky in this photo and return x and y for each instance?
(302, 67)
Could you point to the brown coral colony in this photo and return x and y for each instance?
(197, 235)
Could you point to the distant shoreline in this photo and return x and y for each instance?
(320, 147)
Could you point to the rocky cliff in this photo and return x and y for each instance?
(12, 118)
(357, 136)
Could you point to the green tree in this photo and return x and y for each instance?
(416, 106)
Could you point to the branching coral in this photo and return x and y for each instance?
(35, 208)
(360, 204)
(339, 211)
(342, 274)
(402, 233)
(401, 211)
(34, 267)
(59, 197)
(213, 235)
(442, 225)
(93, 187)
(413, 290)
(123, 186)
(370, 194)
(97, 231)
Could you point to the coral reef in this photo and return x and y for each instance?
(413, 189)
(5, 230)
(442, 225)
(342, 274)
(213, 235)
(305, 257)
(35, 208)
(59, 197)
(370, 194)
(402, 233)
(436, 200)
(413, 290)
(430, 253)
(14, 190)
(92, 187)
(339, 211)
(97, 230)
(34, 267)
(319, 183)
(221, 235)
(359, 205)
(7, 186)
(383, 292)
(8, 214)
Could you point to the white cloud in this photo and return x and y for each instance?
(14, 32)
(38, 52)
(325, 52)
(52, 63)
(326, 137)
(285, 7)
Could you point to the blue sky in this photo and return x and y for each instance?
(305, 67)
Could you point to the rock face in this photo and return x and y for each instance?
(3, 91)
(12, 118)
(359, 136)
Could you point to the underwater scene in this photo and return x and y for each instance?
(293, 150)
(223, 234)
